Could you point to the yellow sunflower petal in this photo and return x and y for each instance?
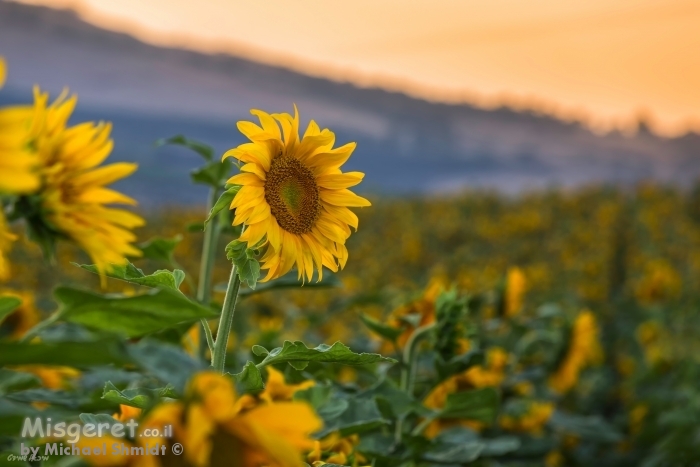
(340, 181)
(246, 179)
(106, 175)
(255, 169)
(343, 198)
(268, 123)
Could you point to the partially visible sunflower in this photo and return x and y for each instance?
(6, 239)
(584, 350)
(294, 198)
(17, 165)
(22, 319)
(74, 194)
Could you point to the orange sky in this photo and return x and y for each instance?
(603, 60)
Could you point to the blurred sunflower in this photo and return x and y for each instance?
(215, 427)
(6, 239)
(294, 199)
(584, 349)
(22, 319)
(17, 165)
(73, 197)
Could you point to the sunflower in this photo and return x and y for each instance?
(17, 163)
(294, 199)
(73, 194)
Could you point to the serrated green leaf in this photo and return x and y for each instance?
(130, 273)
(8, 304)
(382, 330)
(222, 203)
(478, 404)
(247, 267)
(204, 150)
(130, 316)
(337, 353)
(159, 248)
(137, 397)
(250, 378)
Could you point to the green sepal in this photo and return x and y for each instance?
(247, 266)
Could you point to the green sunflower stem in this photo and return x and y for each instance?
(206, 266)
(218, 360)
(408, 370)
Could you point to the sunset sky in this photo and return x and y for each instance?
(605, 61)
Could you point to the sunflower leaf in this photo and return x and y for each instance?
(137, 397)
(131, 316)
(204, 150)
(160, 248)
(130, 273)
(479, 404)
(247, 266)
(297, 353)
(383, 330)
(8, 304)
(213, 173)
(250, 378)
(222, 203)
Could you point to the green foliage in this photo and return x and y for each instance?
(479, 404)
(130, 273)
(130, 316)
(160, 249)
(250, 378)
(244, 258)
(298, 355)
(76, 354)
(141, 398)
(387, 332)
(204, 150)
(222, 203)
(8, 305)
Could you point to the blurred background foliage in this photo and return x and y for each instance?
(608, 276)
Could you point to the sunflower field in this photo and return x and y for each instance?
(291, 322)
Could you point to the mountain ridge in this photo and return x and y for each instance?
(406, 144)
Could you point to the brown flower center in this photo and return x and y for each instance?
(291, 192)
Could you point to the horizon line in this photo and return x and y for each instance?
(366, 79)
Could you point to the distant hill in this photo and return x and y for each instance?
(405, 145)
